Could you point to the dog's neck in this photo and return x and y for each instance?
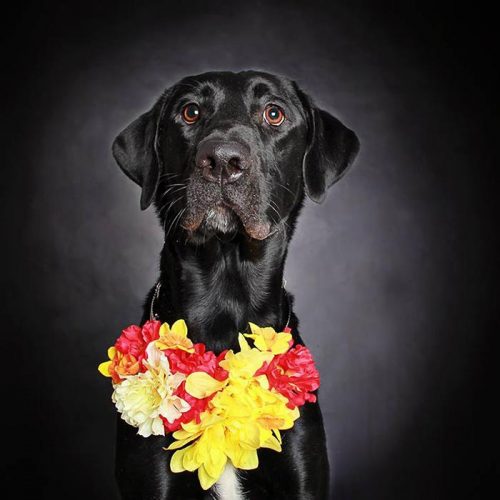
(220, 286)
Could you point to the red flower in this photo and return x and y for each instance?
(198, 361)
(151, 331)
(188, 362)
(294, 375)
(134, 339)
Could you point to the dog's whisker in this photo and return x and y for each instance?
(180, 217)
(170, 226)
(166, 216)
(273, 204)
(274, 207)
(167, 179)
(169, 208)
(169, 174)
(176, 184)
(281, 223)
(173, 203)
(172, 191)
(171, 186)
(175, 192)
(165, 193)
(174, 221)
(284, 187)
(164, 207)
(277, 211)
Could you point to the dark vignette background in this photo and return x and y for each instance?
(393, 275)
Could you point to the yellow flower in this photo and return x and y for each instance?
(246, 362)
(206, 455)
(244, 415)
(241, 365)
(175, 337)
(267, 339)
(201, 384)
(144, 398)
(104, 367)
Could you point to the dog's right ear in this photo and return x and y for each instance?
(136, 152)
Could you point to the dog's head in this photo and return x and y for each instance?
(224, 152)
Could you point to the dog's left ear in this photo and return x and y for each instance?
(331, 150)
(136, 152)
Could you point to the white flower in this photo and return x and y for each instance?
(143, 398)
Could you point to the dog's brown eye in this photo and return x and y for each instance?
(191, 113)
(274, 115)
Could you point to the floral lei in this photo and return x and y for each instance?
(218, 408)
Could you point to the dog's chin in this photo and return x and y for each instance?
(221, 219)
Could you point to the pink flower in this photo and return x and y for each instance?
(294, 375)
(134, 339)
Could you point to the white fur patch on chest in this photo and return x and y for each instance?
(228, 486)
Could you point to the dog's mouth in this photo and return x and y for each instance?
(228, 208)
(226, 218)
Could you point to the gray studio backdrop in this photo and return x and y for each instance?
(377, 270)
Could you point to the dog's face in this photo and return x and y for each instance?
(238, 140)
(225, 152)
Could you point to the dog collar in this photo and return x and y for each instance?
(152, 314)
(218, 408)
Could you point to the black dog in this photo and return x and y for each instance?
(227, 159)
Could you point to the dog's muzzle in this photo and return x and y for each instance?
(224, 190)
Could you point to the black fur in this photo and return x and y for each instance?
(225, 249)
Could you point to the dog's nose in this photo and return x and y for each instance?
(221, 161)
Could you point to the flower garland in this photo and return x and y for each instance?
(218, 408)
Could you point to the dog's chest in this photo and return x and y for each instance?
(228, 486)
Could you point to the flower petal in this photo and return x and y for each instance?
(104, 368)
(158, 429)
(247, 460)
(176, 460)
(155, 355)
(181, 442)
(201, 385)
(206, 481)
(180, 328)
(189, 459)
(255, 329)
(272, 443)
(216, 462)
(164, 330)
(145, 428)
(243, 343)
(251, 437)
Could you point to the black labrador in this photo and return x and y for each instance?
(227, 159)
